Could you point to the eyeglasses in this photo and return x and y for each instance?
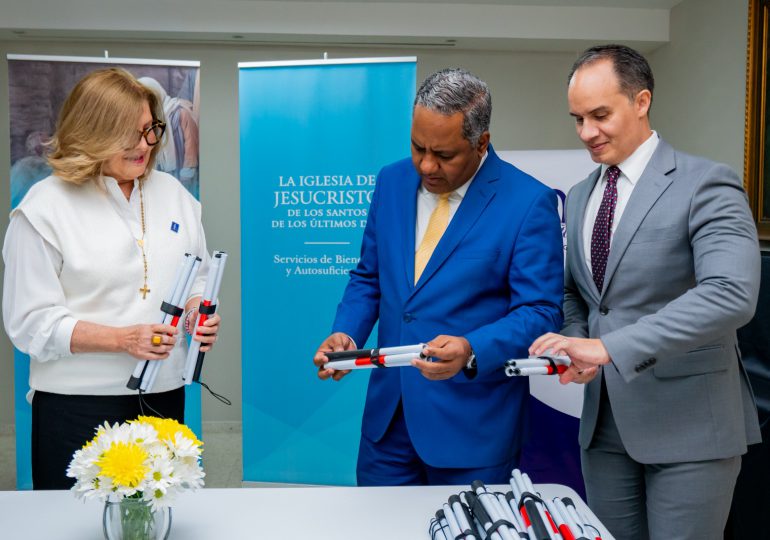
(154, 133)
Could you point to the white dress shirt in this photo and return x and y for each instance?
(630, 171)
(427, 202)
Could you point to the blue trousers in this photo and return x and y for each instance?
(393, 461)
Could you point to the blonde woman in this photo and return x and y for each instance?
(89, 253)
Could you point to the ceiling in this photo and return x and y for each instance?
(643, 4)
(512, 25)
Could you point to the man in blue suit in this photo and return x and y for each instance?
(463, 251)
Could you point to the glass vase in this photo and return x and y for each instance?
(134, 519)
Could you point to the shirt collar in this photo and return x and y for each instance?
(633, 166)
(113, 189)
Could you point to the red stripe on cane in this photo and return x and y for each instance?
(565, 532)
(203, 316)
(369, 361)
(524, 515)
(550, 520)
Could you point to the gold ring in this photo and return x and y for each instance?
(156, 340)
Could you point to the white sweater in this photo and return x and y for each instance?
(71, 253)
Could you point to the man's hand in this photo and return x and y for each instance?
(450, 354)
(336, 342)
(586, 355)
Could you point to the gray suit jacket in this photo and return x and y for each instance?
(682, 275)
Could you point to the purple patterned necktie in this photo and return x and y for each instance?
(600, 239)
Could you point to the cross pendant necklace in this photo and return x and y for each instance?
(145, 289)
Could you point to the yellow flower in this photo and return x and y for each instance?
(124, 463)
(168, 428)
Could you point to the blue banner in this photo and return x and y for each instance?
(313, 137)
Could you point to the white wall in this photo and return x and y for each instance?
(700, 78)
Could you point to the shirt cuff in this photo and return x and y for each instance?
(63, 336)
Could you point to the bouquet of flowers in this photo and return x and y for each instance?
(146, 462)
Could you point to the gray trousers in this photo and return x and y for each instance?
(670, 501)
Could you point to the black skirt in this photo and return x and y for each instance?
(62, 424)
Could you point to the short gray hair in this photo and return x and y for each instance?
(453, 90)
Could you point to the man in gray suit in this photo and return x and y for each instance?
(662, 268)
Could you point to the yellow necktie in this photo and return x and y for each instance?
(437, 224)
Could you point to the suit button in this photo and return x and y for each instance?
(651, 361)
(603, 310)
(638, 368)
(408, 317)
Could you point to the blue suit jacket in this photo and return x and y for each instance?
(496, 277)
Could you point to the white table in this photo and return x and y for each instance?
(312, 513)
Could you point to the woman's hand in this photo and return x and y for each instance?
(147, 341)
(207, 332)
(142, 341)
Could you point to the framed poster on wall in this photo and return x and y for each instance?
(756, 173)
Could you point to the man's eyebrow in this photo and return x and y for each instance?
(601, 109)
